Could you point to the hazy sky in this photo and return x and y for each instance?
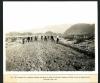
(20, 16)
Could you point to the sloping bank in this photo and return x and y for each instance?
(77, 47)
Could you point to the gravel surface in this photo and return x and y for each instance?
(45, 56)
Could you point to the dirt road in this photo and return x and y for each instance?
(45, 56)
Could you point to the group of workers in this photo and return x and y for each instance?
(43, 38)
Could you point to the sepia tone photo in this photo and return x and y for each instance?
(49, 36)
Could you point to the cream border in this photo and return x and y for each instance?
(55, 72)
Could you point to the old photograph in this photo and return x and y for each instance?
(49, 36)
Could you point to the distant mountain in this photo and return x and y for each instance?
(57, 28)
(66, 29)
(50, 33)
(18, 34)
(13, 34)
(53, 28)
(80, 29)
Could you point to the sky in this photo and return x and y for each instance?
(24, 16)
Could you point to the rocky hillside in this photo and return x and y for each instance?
(80, 29)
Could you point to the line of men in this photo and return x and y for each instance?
(35, 38)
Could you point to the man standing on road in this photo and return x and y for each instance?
(57, 39)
